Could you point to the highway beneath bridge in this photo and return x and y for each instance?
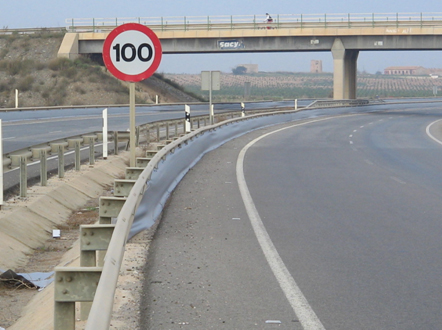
(328, 222)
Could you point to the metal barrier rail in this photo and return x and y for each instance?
(338, 103)
(257, 21)
(7, 31)
(74, 284)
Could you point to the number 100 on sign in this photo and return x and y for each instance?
(132, 55)
(128, 53)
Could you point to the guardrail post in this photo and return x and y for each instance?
(72, 284)
(23, 177)
(110, 207)
(77, 155)
(116, 142)
(158, 132)
(60, 151)
(167, 130)
(133, 173)
(43, 168)
(91, 152)
(137, 136)
(93, 238)
(64, 315)
(151, 153)
(142, 161)
(122, 188)
(176, 129)
(147, 134)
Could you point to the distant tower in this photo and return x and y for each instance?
(316, 66)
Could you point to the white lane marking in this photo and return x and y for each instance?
(9, 138)
(431, 135)
(351, 142)
(351, 135)
(397, 180)
(298, 302)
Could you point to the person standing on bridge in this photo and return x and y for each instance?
(268, 20)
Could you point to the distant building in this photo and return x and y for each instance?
(405, 70)
(316, 66)
(251, 68)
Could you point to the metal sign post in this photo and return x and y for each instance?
(132, 123)
(132, 52)
(105, 133)
(210, 80)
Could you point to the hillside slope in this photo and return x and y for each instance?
(29, 63)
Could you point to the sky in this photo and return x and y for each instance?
(54, 13)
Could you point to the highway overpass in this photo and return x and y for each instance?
(344, 35)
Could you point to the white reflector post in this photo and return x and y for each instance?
(187, 112)
(105, 133)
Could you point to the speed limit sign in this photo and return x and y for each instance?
(132, 52)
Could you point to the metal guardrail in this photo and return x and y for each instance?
(338, 103)
(7, 31)
(232, 22)
(100, 313)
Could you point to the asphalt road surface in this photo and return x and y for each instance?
(329, 222)
(22, 129)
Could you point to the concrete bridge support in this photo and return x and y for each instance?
(344, 71)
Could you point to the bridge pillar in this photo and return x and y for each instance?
(69, 46)
(344, 71)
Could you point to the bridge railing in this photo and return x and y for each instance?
(186, 23)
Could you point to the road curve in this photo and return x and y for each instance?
(351, 204)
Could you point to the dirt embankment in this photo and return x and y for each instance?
(29, 64)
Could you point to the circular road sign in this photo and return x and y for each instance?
(132, 52)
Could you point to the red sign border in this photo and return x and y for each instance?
(107, 49)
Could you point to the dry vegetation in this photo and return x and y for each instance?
(288, 85)
(29, 63)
